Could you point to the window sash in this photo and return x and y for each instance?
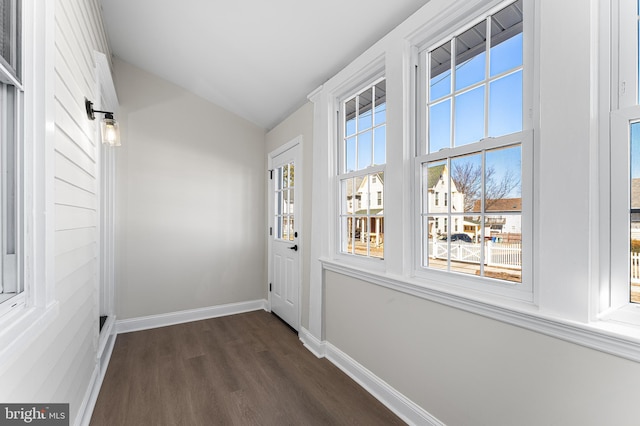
(11, 119)
(344, 135)
(11, 42)
(526, 70)
(620, 190)
(520, 291)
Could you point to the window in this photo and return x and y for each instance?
(11, 101)
(472, 154)
(625, 164)
(284, 219)
(361, 173)
(27, 182)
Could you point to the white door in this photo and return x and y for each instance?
(284, 230)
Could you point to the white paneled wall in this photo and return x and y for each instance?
(61, 364)
(79, 32)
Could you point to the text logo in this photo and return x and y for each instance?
(34, 414)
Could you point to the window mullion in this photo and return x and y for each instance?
(4, 116)
(482, 212)
(487, 64)
(452, 134)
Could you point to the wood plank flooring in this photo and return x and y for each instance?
(246, 369)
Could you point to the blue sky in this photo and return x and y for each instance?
(367, 139)
(504, 109)
(635, 150)
(505, 98)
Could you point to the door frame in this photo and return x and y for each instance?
(295, 142)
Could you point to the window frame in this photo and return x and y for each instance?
(36, 306)
(614, 292)
(341, 173)
(523, 291)
(11, 144)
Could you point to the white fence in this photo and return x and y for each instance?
(495, 254)
(635, 268)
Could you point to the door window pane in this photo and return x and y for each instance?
(284, 202)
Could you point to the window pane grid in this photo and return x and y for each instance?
(361, 176)
(362, 215)
(479, 230)
(364, 123)
(284, 217)
(468, 109)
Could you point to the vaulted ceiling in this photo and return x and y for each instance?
(256, 58)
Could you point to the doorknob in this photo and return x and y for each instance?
(294, 248)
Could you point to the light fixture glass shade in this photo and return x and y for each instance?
(110, 131)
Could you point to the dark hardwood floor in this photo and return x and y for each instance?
(246, 369)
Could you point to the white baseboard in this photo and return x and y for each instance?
(93, 390)
(402, 406)
(313, 344)
(84, 413)
(172, 318)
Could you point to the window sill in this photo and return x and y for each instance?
(364, 263)
(19, 329)
(609, 336)
(625, 320)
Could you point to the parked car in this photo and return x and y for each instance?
(458, 237)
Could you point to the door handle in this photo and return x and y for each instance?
(294, 248)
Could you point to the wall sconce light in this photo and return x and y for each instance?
(109, 129)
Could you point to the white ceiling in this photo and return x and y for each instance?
(256, 58)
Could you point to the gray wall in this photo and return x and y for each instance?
(299, 123)
(465, 369)
(190, 200)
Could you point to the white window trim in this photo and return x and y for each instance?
(548, 314)
(37, 305)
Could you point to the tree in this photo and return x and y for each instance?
(467, 177)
